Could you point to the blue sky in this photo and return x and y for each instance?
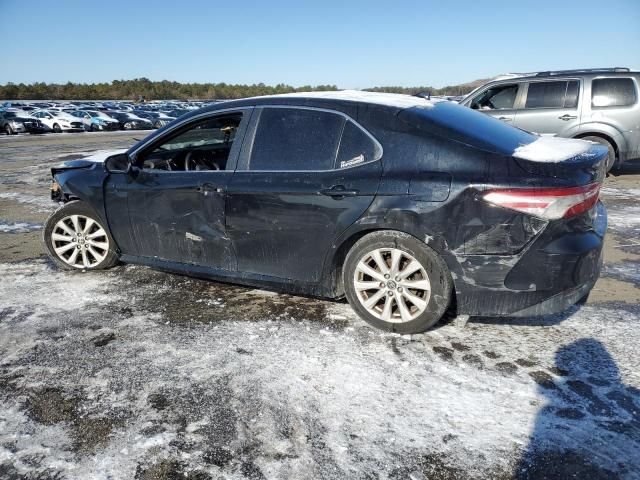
(350, 44)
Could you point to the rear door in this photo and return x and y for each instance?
(551, 107)
(305, 175)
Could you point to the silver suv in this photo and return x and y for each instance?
(600, 105)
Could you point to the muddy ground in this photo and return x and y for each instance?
(138, 374)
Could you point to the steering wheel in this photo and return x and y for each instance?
(189, 157)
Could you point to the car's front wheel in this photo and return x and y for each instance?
(76, 239)
(396, 283)
(56, 128)
(8, 129)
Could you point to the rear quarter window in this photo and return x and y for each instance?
(613, 92)
(356, 147)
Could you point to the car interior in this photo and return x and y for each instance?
(495, 98)
(204, 146)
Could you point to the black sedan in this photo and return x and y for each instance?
(14, 122)
(406, 206)
(158, 119)
(130, 121)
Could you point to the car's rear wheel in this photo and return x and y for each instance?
(396, 283)
(76, 239)
(56, 128)
(611, 158)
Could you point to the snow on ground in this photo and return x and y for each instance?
(41, 203)
(102, 378)
(18, 227)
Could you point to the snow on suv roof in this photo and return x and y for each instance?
(386, 99)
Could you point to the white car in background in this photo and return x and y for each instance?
(59, 121)
(94, 120)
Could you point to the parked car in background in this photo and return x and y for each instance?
(158, 119)
(59, 121)
(177, 113)
(95, 121)
(15, 121)
(600, 105)
(399, 203)
(130, 121)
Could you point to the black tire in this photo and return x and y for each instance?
(56, 128)
(434, 266)
(92, 128)
(611, 159)
(8, 129)
(77, 208)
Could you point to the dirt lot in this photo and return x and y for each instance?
(133, 373)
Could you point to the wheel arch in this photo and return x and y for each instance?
(604, 136)
(333, 285)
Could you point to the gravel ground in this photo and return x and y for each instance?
(134, 373)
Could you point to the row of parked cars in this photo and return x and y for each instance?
(43, 117)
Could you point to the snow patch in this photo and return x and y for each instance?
(552, 149)
(19, 227)
(386, 99)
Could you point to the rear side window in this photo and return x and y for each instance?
(296, 139)
(612, 92)
(356, 147)
(557, 94)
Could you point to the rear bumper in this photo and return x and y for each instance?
(559, 268)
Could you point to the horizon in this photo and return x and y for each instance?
(355, 46)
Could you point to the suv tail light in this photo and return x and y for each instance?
(547, 203)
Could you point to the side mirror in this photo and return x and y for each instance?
(117, 163)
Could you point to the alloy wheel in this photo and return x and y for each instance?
(80, 241)
(392, 285)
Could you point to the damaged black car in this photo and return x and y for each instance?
(405, 206)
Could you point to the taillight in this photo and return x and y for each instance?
(548, 203)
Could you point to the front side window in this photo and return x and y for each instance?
(500, 97)
(296, 139)
(613, 92)
(556, 94)
(204, 146)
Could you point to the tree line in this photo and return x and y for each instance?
(161, 90)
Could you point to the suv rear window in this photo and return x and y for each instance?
(557, 94)
(296, 139)
(612, 92)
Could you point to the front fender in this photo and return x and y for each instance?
(82, 180)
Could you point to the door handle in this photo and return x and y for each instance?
(566, 117)
(338, 191)
(505, 119)
(207, 188)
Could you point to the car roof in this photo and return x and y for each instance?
(340, 100)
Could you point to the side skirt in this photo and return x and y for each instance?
(241, 278)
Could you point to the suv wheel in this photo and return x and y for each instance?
(76, 239)
(396, 283)
(611, 159)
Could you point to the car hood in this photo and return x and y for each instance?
(96, 157)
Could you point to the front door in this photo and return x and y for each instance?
(176, 200)
(499, 101)
(305, 176)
